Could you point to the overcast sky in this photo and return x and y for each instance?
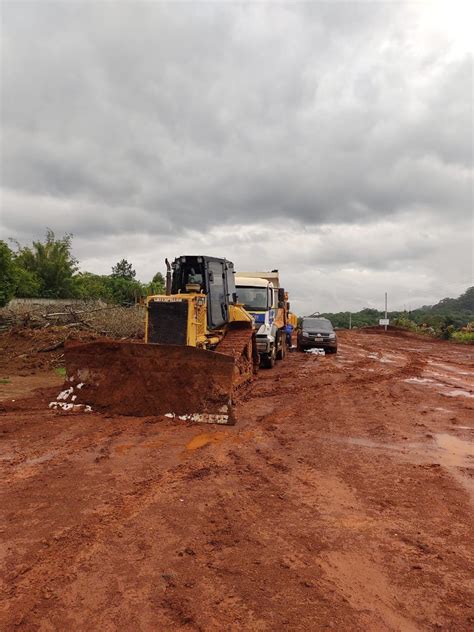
(333, 141)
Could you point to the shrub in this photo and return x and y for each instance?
(466, 337)
(7, 274)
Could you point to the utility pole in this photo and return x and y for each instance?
(350, 320)
(385, 311)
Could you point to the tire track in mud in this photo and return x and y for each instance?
(413, 365)
(268, 525)
(38, 583)
(385, 615)
(63, 549)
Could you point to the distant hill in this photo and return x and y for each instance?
(456, 312)
(465, 303)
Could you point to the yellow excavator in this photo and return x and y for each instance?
(199, 350)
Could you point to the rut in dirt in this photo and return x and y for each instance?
(334, 503)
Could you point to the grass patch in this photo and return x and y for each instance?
(467, 337)
(61, 371)
(5, 380)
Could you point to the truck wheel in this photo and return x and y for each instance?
(281, 353)
(269, 359)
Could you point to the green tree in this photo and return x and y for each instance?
(7, 274)
(93, 286)
(159, 279)
(125, 291)
(123, 270)
(113, 289)
(50, 264)
(157, 285)
(27, 283)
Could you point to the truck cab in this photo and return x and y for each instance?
(261, 296)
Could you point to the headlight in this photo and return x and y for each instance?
(305, 334)
(332, 336)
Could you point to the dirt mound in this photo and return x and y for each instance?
(400, 332)
(24, 350)
(131, 378)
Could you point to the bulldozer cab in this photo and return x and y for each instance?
(211, 276)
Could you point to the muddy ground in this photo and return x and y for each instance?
(341, 500)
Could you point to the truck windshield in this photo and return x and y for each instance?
(255, 299)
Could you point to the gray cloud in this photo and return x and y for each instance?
(142, 126)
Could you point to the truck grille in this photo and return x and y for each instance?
(167, 322)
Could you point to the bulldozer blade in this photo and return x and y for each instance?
(139, 379)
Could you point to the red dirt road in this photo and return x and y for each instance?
(342, 499)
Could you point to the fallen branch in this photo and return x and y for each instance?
(86, 311)
(55, 346)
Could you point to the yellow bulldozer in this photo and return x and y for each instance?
(199, 350)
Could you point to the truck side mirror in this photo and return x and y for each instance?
(281, 297)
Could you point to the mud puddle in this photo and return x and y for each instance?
(386, 358)
(213, 438)
(457, 455)
(452, 453)
(452, 379)
(201, 440)
(457, 452)
(458, 393)
(420, 380)
(450, 450)
(18, 386)
(443, 388)
(450, 368)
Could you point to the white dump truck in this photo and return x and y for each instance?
(262, 296)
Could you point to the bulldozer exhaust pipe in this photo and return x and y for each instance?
(168, 277)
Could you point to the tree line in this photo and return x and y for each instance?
(48, 269)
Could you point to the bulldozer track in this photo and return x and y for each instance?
(237, 343)
(234, 342)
